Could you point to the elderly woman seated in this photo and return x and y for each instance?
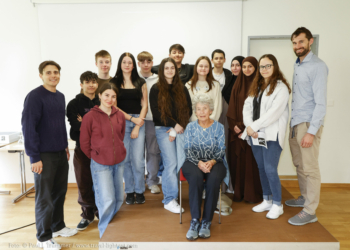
(205, 150)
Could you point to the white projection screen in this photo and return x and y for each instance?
(71, 34)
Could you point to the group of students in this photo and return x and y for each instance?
(204, 120)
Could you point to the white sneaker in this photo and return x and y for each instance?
(264, 206)
(50, 244)
(154, 189)
(160, 180)
(65, 232)
(275, 212)
(173, 207)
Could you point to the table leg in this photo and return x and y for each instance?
(24, 190)
(5, 192)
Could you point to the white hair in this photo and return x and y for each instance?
(202, 99)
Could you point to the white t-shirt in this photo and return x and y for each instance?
(220, 78)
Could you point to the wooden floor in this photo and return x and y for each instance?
(333, 213)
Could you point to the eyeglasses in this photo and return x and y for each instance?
(267, 66)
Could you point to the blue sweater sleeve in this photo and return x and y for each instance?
(190, 153)
(219, 149)
(31, 116)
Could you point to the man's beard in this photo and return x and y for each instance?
(304, 52)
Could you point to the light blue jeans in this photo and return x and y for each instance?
(169, 158)
(134, 162)
(109, 194)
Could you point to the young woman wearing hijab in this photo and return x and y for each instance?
(243, 168)
(171, 108)
(226, 94)
(266, 110)
(236, 68)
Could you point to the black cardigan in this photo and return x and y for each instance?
(171, 121)
(185, 74)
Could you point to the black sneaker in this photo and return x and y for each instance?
(83, 224)
(130, 198)
(140, 198)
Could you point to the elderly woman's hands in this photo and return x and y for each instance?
(206, 166)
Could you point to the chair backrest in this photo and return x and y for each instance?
(182, 177)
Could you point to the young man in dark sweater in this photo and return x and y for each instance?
(45, 141)
(76, 110)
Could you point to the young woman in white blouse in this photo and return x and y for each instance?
(203, 81)
(266, 110)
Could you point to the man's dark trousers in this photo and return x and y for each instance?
(50, 193)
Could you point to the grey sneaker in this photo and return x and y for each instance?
(192, 233)
(154, 189)
(204, 232)
(302, 218)
(296, 202)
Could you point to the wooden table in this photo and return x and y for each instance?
(16, 147)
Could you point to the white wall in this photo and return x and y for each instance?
(71, 34)
(20, 57)
(329, 19)
(134, 27)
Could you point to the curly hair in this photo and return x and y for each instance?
(259, 85)
(177, 94)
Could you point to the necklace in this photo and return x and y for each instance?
(210, 123)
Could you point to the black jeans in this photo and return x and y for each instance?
(86, 197)
(50, 193)
(213, 180)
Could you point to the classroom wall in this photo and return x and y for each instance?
(330, 20)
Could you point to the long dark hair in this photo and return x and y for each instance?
(210, 78)
(177, 94)
(136, 80)
(259, 81)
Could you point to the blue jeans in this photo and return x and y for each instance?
(134, 162)
(168, 153)
(267, 160)
(161, 167)
(108, 188)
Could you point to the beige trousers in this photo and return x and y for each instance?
(306, 162)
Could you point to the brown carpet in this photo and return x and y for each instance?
(150, 222)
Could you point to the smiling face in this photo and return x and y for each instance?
(235, 67)
(265, 72)
(203, 112)
(169, 71)
(127, 65)
(203, 68)
(103, 64)
(301, 45)
(177, 55)
(108, 98)
(51, 76)
(248, 68)
(89, 87)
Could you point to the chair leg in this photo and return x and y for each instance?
(180, 202)
(220, 206)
